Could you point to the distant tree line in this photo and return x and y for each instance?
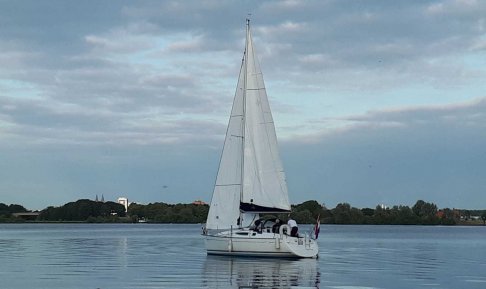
(6, 212)
(422, 213)
(168, 213)
(84, 211)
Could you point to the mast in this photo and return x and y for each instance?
(244, 111)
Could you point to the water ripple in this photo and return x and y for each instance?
(173, 256)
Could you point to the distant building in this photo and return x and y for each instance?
(199, 203)
(30, 216)
(123, 201)
(384, 207)
(440, 214)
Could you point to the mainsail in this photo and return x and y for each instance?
(250, 177)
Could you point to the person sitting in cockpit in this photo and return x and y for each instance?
(276, 226)
(257, 226)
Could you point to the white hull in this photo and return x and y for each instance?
(244, 242)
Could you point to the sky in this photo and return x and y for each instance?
(374, 102)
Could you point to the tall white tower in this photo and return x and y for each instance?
(123, 201)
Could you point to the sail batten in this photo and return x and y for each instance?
(250, 156)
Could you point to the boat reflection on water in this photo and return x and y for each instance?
(234, 272)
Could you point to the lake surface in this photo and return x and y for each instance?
(173, 256)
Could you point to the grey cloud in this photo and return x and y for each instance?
(470, 113)
(131, 76)
(436, 153)
(38, 123)
(330, 38)
(55, 27)
(328, 26)
(374, 36)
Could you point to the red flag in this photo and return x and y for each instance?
(317, 228)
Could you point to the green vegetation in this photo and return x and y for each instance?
(6, 212)
(84, 211)
(422, 213)
(166, 213)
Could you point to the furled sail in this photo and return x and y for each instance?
(250, 176)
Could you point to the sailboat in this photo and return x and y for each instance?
(251, 183)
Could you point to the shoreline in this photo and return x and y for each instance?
(462, 224)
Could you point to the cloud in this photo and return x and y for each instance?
(454, 7)
(395, 157)
(365, 41)
(469, 113)
(118, 42)
(33, 123)
(95, 77)
(282, 28)
(112, 88)
(479, 45)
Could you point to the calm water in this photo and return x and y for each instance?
(173, 256)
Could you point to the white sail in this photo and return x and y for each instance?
(224, 207)
(264, 179)
(250, 176)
